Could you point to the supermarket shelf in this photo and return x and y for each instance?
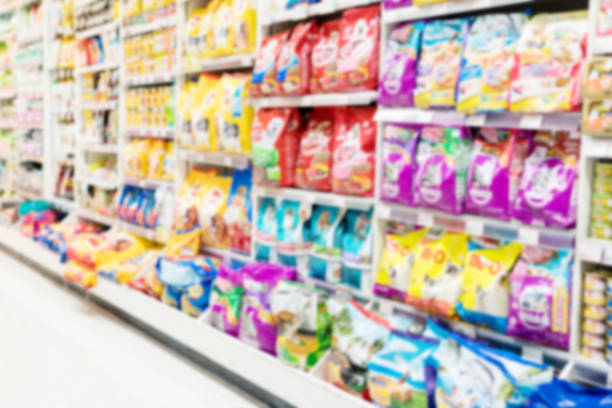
(147, 183)
(477, 225)
(228, 255)
(600, 46)
(152, 79)
(435, 10)
(587, 371)
(596, 147)
(594, 250)
(31, 158)
(29, 195)
(62, 204)
(30, 38)
(99, 106)
(551, 121)
(100, 148)
(316, 197)
(95, 217)
(81, 35)
(158, 24)
(307, 11)
(153, 132)
(332, 99)
(223, 63)
(97, 68)
(9, 94)
(106, 184)
(29, 64)
(147, 233)
(216, 159)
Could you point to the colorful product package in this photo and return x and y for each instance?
(398, 77)
(551, 55)
(304, 324)
(126, 270)
(238, 216)
(234, 115)
(212, 211)
(357, 247)
(598, 78)
(391, 4)
(244, 20)
(184, 104)
(293, 238)
(437, 272)
(485, 296)
(275, 135)
(206, 102)
(264, 81)
(293, 68)
(314, 161)
(399, 163)
(396, 264)
(220, 40)
(597, 120)
(357, 335)
(548, 190)
(327, 229)
(358, 49)
(604, 18)
(496, 167)
(440, 63)
(324, 58)
(540, 285)
(266, 231)
(354, 151)
(489, 63)
(442, 165)
(560, 393)
(258, 325)
(397, 373)
(226, 300)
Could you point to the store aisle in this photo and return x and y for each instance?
(58, 350)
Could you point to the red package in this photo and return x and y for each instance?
(354, 151)
(324, 58)
(359, 49)
(293, 64)
(315, 157)
(263, 81)
(275, 136)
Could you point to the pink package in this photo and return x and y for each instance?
(495, 171)
(226, 300)
(539, 297)
(604, 18)
(399, 152)
(548, 190)
(398, 76)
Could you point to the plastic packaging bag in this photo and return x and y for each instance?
(315, 158)
(293, 67)
(327, 229)
(226, 300)
(399, 163)
(324, 58)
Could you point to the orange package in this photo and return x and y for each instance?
(315, 157)
(264, 74)
(293, 66)
(324, 58)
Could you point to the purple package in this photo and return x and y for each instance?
(391, 4)
(442, 163)
(256, 320)
(539, 297)
(548, 191)
(399, 150)
(495, 169)
(398, 74)
(226, 300)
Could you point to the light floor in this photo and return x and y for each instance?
(59, 350)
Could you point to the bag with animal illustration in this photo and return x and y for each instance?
(226, 300)
(485, 295)
(327, 229)
(205, 104)
(212, 211)
(244, 21)
(294, 235)
(398, 77)
(234, 115)
(442, 165)
(357, 246)
(266, 231)
(324, 58)
(548, 191)
(314, 163)
(264, 81)
(304, 324)
(399, 163)
(238, 216)
(293, 68)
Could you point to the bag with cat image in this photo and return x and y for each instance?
(399, 163)
(294, 235)
(314, 162)
(327, 229)
(357, 246)
(266, 231)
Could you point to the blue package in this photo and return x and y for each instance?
(561, 394)
(327, 229)
(293, 220)
(357, 249)
(238, 215)
(266, 231)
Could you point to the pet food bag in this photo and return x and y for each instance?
(220, 40)
(489, 63)
(396, 264)
(206, 103)
(440, 63)
(293, 68)
(212, 211)
(485, 295)
(226, 300)
(357, 246)
(357, 335)
(327, 229)
(539, 297)
(391, 4)
(258, 325)
(275, 135)
(399, 163)
(244, 26)
(358, 49)
(294, 235)
(304, 324)
(561, 393)
(495, 171)
(398, 76)
(354, 151)
(234, 115)
(437, 272)
(184, 107)
(548, 190)
(551, 55)
(266, 231)
(238, 215)
(324, 58)
(442, 162)
(314, 163)
(396, 374)
(264, 81)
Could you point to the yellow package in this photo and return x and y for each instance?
(156, 158)
(396, 264)
(235, 116)
(184, 107)
(76, 273)
(485, 295)
(169, 165)
(205, 30)
(128, 270)
(244, 30)
(192, 44)
(220, 40)
(212, 210)
(203, 115)
(437, 273)
(120, 247)
(143, 152)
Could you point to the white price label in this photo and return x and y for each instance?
(476, 120)
(339, 201)
(533, 353)
(384, 212)
(425, 116)
(531, 121)
(227, 161)
(425, 219)
(474, 227)
(385, 308)
(592, 253)
(529, 236)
